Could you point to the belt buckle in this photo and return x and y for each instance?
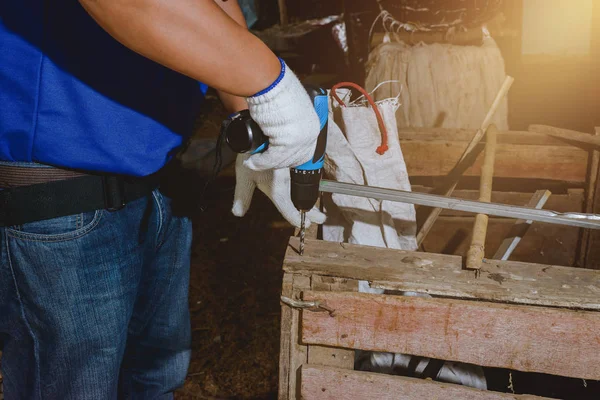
(114, 193)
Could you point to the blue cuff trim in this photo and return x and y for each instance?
(203, 88)
(267, 90)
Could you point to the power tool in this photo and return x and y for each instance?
(243, 135)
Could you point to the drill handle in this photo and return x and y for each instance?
(321, 104)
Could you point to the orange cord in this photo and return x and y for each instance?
(384, 135)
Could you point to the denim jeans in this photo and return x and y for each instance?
(94, 305)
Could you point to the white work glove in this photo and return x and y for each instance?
(275, 183)
(288, 118)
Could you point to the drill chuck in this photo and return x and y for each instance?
(305, 188)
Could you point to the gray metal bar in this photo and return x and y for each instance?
(591, 221)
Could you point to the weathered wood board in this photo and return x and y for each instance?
(326, 383)
(524, 338)
(332, 356)
(465, 135)
(559, 163)
(292, 354)
(443, 275)
(543, 244)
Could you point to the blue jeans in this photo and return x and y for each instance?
(94, 305)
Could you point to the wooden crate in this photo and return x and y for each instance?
(519, 316)
(525, 162)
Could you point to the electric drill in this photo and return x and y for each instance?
(243, 135)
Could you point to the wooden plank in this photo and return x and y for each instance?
(285, 341)
(573, 201)
(292, 354)
(332, 356)
(443, 275)
(524, 338)
(326, 383)
(465, 135)
(333, 284)
(538, 200)
(570, 136)
(544, 243)
(437, 158)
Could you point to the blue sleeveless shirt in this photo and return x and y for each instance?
(72, 96)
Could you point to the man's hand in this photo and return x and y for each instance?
(275, 184)
(288, 118)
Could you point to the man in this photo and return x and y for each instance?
(96, 96)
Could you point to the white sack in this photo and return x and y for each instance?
(353, 158)
(442, 85)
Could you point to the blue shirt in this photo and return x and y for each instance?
(72, 96)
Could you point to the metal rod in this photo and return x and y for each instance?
(591, 221)
(521, 227)
(302, 231)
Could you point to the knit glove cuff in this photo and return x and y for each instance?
(287, 117)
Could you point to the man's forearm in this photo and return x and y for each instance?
(194, 37)
(231, 102)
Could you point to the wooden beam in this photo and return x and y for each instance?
(568, 135)
(465, 135)
(285, 341)
(326, 383)
(443, 275)
(476, 251)
(556, 163)
(292, 355)
(521, 227)
(529, 339)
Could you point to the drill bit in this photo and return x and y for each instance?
(302, 231)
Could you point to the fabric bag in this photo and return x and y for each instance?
(363, 148)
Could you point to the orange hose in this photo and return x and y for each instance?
(384, 135)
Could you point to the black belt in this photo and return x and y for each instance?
(23, 204)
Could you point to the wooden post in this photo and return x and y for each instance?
(476, 252)
(283, 14)
(435, 213)
(592, 188)
(292, 354)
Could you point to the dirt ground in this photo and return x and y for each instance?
(234, 291)
(234, 300)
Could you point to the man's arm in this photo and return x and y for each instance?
(194, 37)
(232, 8)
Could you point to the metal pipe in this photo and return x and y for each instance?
(591, 221)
